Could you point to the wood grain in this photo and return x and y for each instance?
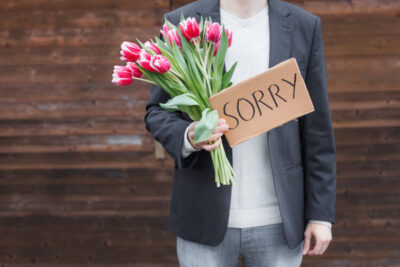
(79, 181)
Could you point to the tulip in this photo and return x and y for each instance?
(216, 49)
(213, 32)
(174, 36)
(165, 29)
(229, 34)
(160, 64)
(190, 28)
(144, 60)
(136, 72)
(152, 47)
(122, 76)
(130, 51)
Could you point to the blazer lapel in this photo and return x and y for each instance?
(280, 33)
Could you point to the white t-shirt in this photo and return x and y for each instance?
(253, 201)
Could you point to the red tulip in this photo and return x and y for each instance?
(152, 47)
(136, 72)
(229, 34)
(216, 48)
(122, 76)
(159, 64)
(213, 32)
(165, 29)
(130, 51)
(173, 36)
(190, 28)
(144, 60)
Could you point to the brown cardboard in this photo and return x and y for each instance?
(255, 106)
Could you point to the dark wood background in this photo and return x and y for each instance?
(79, 182)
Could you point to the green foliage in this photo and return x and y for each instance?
(206, 126)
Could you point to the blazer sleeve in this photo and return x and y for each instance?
(168, 128)
(319, 152)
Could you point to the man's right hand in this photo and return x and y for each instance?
(216, 136)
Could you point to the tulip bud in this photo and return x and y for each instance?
(173, 36)
(152, 47)
(129, 51)
(229, 34)
(216, 49)
(190, 28)
(136, 72)
(144, 60)
(122, 76)
(160, 64)
(213, 32)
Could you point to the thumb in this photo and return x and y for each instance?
(307, 242)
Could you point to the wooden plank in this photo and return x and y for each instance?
(74, 143)
(72, 126)
(25, 5)
(75, 37)
(74, 109)
(86, 177)
(80, 160)
(82, 18)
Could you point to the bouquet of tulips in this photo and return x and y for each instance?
(188, 64)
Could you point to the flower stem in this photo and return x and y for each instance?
(144, 80)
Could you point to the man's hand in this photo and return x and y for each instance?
(216, 136)
(320, 234)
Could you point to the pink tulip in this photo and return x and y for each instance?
(144, 60)
(229, 34)
(130, 51)
(165, 29)
(190, 28)
(216, 49)
(174, 37)
(136, 72)
(152, 47)
(122, 76)
(159, 64)
(213, 32)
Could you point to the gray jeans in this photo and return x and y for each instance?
(260, 246)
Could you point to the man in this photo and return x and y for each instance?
(283, 204)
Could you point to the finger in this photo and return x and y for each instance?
(325, 245)
(213, 137)
(221, 121)
(212, 146)
(317, 249)
(307, 243)
(221, 128)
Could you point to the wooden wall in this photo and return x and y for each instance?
(78, 179)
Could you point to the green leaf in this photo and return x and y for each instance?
(226, 78)
(179, 101)
(218, 63)
(206, 126)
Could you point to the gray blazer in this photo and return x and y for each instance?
(302, 151)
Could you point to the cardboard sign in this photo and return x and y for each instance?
(263, 102)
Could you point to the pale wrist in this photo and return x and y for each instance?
(187, 148)
(321, 222)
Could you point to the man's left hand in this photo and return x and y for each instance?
(316, 238)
